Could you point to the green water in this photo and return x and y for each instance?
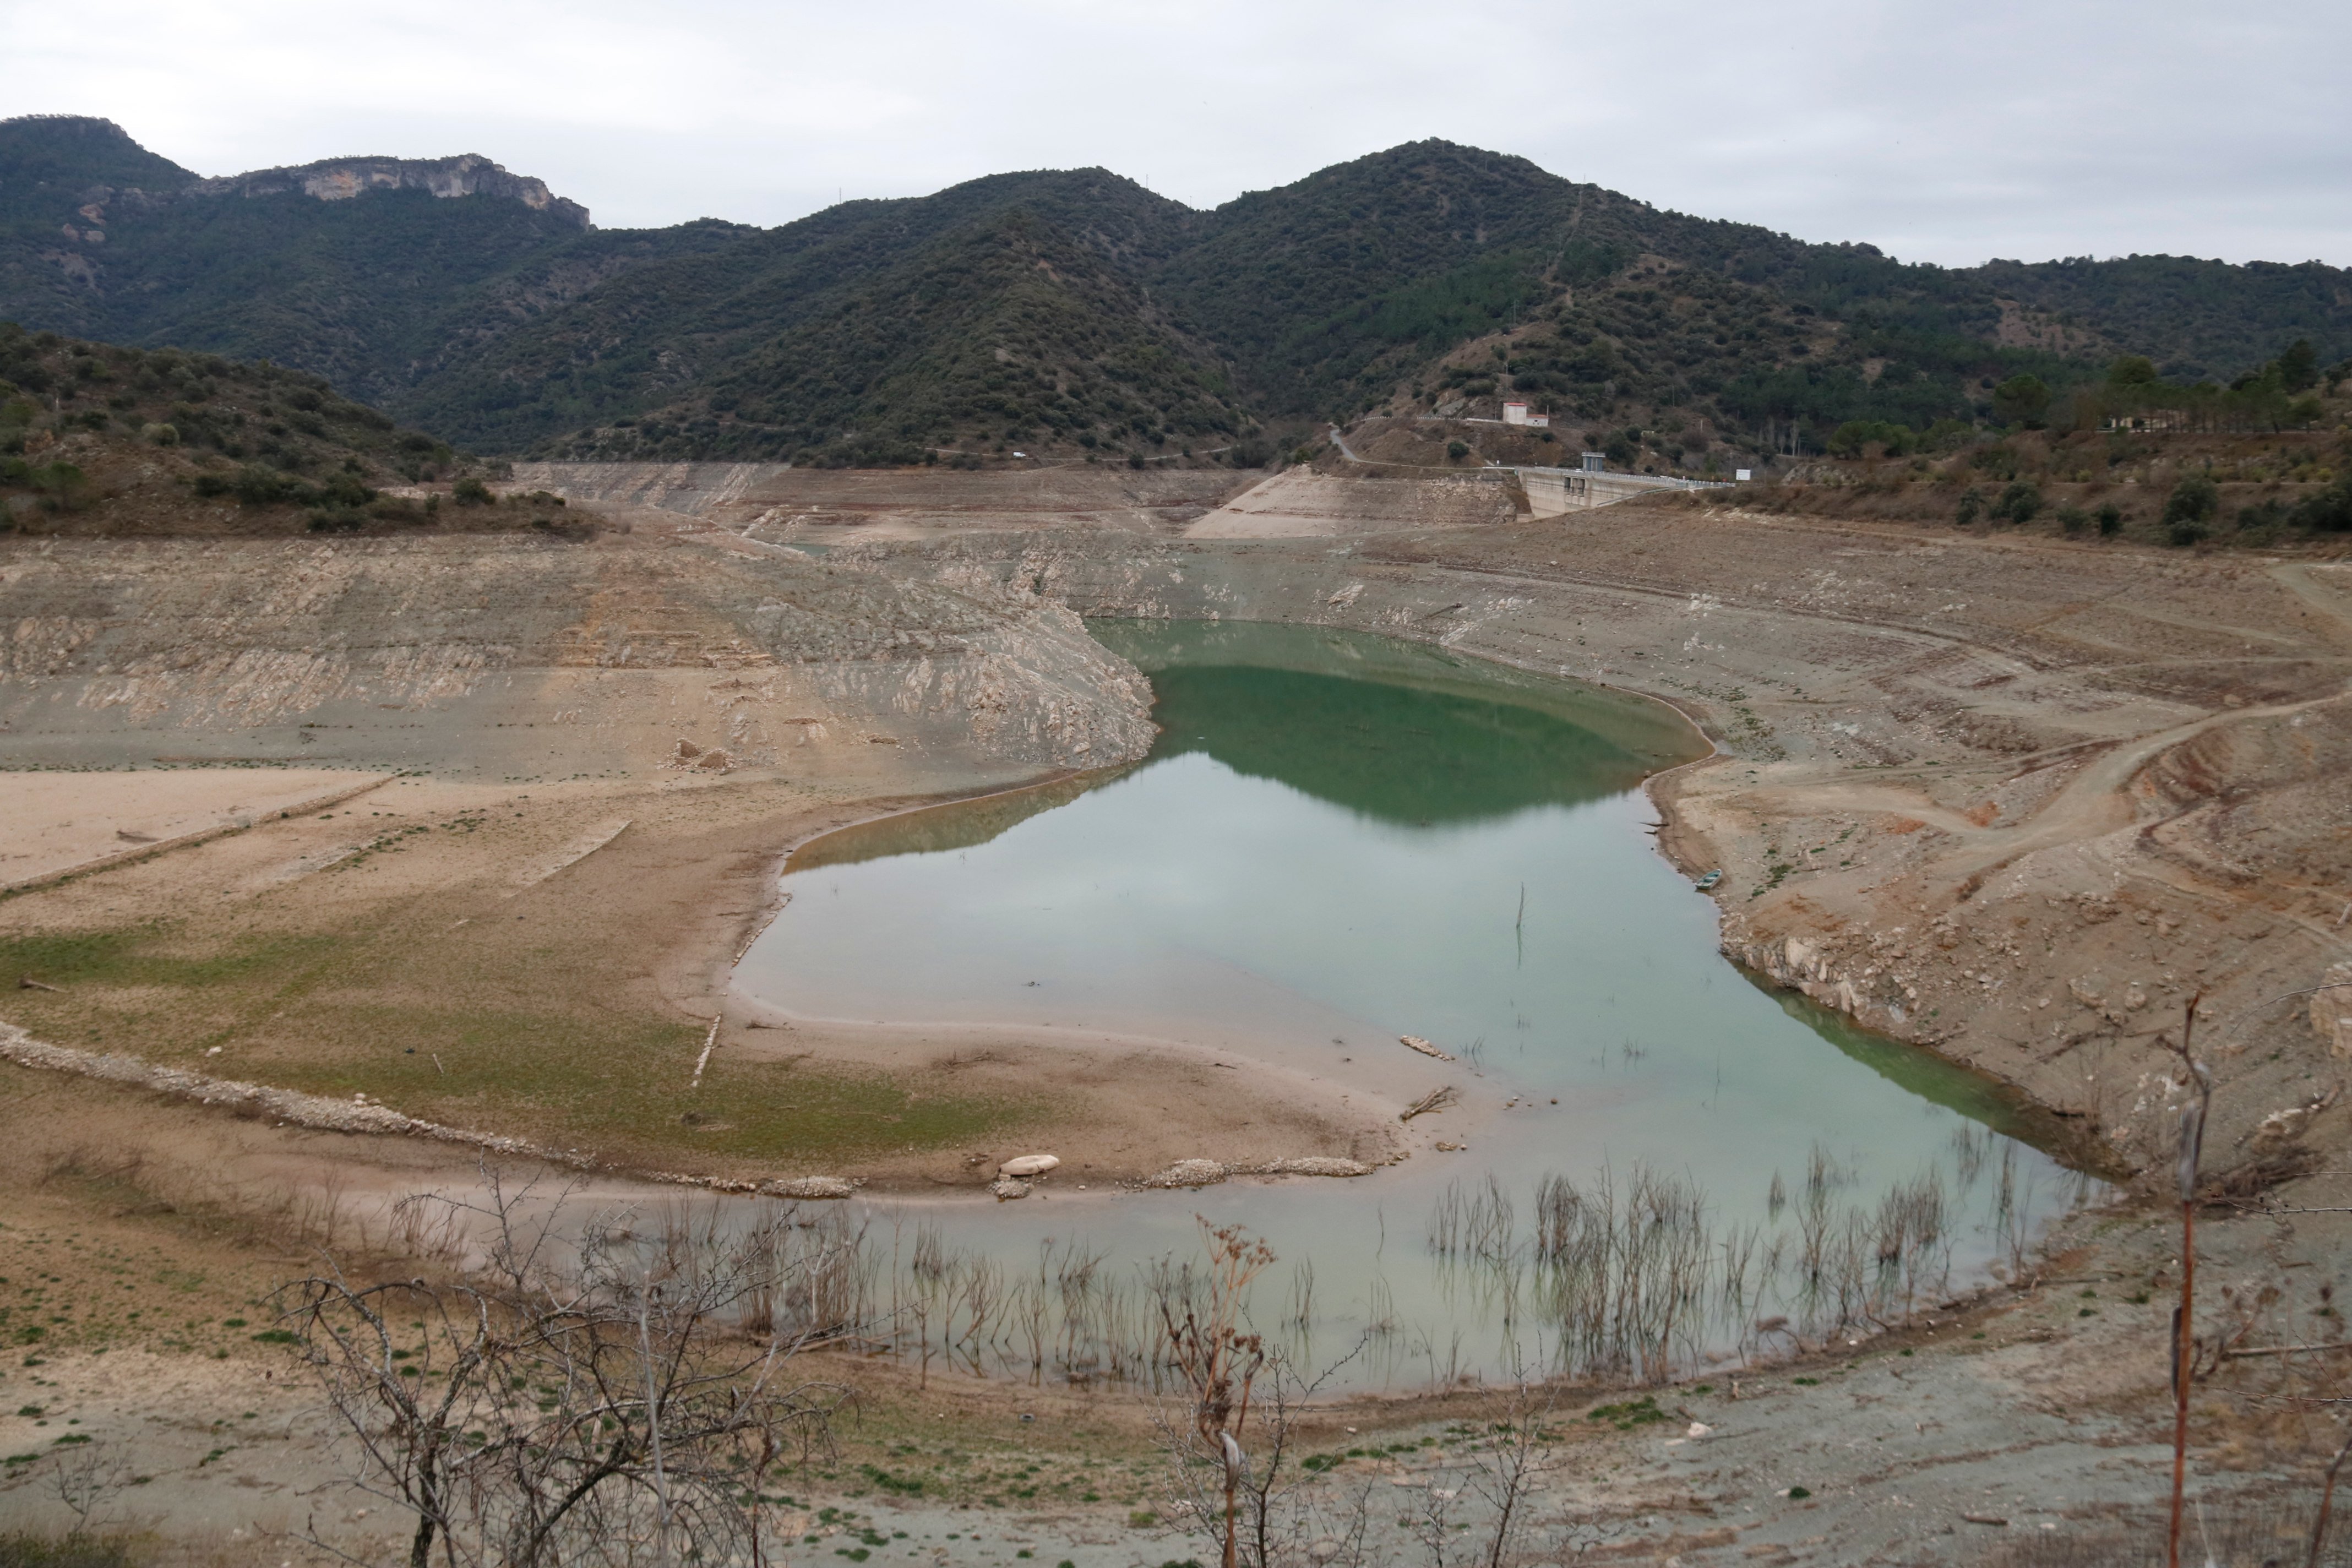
(1339, 840)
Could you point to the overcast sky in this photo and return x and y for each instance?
(1950, 132)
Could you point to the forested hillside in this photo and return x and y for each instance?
(1076, 311)
(99, 439)
(668, 339)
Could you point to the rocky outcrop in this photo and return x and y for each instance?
(340, 179)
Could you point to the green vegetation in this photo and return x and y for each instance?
(1642, 1412)
(2188, 511)
(1075, 312)
(256, 434)
(24, 1551)
(996, 336)
(314, 1014)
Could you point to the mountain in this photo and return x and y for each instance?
(1074, 311)
(769, 341)
(360, 270)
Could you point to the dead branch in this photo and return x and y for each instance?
(584, 1392)
(1435, 1100)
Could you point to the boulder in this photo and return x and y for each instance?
(1189, 1173)
(810, 1188)
(1025, 1165)
(1315, 1165)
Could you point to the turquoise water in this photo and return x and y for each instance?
(1339, 840)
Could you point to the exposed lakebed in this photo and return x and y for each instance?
(1339, 840)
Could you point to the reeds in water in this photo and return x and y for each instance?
(1622, 1276)
(1623, 1281)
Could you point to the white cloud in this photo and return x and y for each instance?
(1936, 131)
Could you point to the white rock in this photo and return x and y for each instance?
(1315, 1165)
(1189, 1173)
(1025, 1165)
(1006, 1188)
(810, 1188)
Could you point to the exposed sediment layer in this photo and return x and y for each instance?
(549, 658)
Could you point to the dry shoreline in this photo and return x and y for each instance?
(2032, 794)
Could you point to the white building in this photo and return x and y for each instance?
(1516, 414)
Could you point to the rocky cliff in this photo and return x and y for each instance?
(340, 179)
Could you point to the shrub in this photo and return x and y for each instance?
(2019, 502)
(2193, 503)
(2328, 511)
(63, 487)
(2111, 521)
(2021, 400)
(1971, 507)
(258, 485)
(2073, 520)
(470, 491)
(1856, 437)
(1457, 450)
(160, 434)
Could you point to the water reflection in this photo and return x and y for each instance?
(1337, 841)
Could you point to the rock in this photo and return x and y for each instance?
(1189, 1173)
(2281, 1128)
(687, 751)
(1415, 1043)
(1029, 1165)
(1315, 1165)
(810, 1188)
(2331, 1011)
(1006, 1189)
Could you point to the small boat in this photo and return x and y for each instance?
(1709, 881)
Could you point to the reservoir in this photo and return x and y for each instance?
(1339, 840)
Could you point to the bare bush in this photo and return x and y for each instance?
(619, 1398)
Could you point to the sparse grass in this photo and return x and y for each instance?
(20, 1549)
(532, 1043)
(154, 955)
(617, 1083)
